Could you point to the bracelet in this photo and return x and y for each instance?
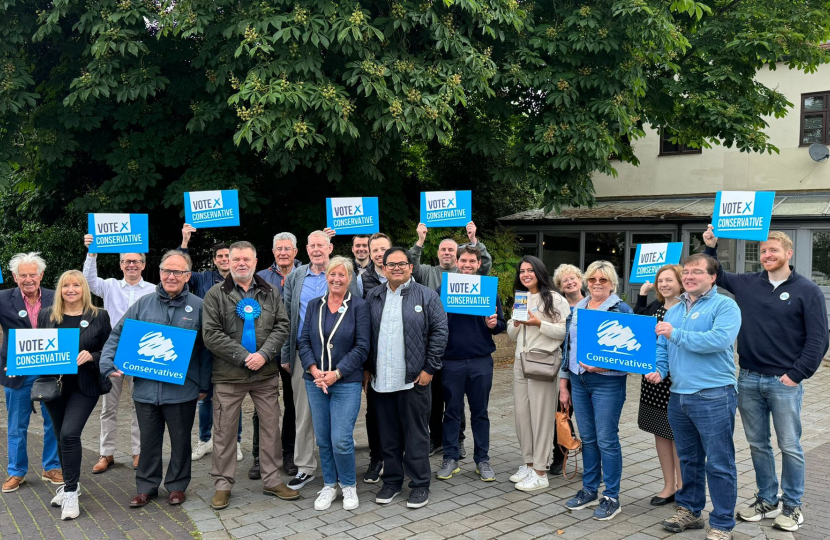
(337, 375)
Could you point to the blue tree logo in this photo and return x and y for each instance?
(620, 338)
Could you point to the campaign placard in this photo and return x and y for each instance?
(446, 208)
(618, 341)
(353, 215)
(118, 233)
(743, 215)
(43, 351)
(469, 294)
(1, 275)
(205, 209)
(520, 306)
(154, 351)
(652, 257)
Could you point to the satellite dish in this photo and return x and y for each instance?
(819, 152)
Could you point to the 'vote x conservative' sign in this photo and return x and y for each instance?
(618, 341)
(204, 209)
(652, 257)
(154, 351)
(446, 208)
(43, 351)
(118, 233)
(352, 215)
(743, 215)
(469, 294)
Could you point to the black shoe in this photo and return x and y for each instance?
(288, 464)
(662, 501)
(434, 447)
(300, 480)
(253, 472)
(418, 497)
(558, 460)
(386, 494)
(462, 452)
(373, 472)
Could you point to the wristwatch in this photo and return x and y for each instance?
(337, 375)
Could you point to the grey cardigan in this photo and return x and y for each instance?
(430, 276)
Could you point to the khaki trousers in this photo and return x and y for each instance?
(304, 443)
(109, 419)
(534, 404)
(227, 401)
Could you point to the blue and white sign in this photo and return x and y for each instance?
(43, 351)
(155, 351)
(205, 209)
(469, 294)
(353, 215)
(652, 257)
(618, 341)
(1, 275)
(118, 233)
(446, 208)
(743, 215)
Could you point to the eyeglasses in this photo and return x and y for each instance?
(393, 265)
(178, 273)
(694, 272)
(602, 280)
(134, 262)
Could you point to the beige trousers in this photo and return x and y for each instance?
(304, 443)
(109, 418)
(534, 404)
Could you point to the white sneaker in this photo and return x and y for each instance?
(324, 497)
(350, 500)
(532, 482)
(203, 448)
(520, 475)
(69, 507)
(57, 500)
(238, 451)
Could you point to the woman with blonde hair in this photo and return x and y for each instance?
(654, 398)
(72, 308)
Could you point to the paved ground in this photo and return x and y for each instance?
(461, 507)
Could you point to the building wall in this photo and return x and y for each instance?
(728, 169)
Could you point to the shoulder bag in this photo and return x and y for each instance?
(567, 441)
(537, 364)
(47, 388)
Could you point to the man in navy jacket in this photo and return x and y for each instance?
(783, 338)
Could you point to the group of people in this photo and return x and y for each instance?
(338, 327)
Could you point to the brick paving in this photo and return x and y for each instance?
(463, 507)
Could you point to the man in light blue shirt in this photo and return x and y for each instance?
(391, 363)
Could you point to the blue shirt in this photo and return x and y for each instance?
(314, 286)
(390, 374)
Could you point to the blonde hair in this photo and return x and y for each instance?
(344, 262)
(678, 273)
(86, 297)
(606, 269)
(563, 270)
(786, 241)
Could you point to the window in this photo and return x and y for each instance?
(668, 148)
(727, 250)
(752, 257)
(560, 248)
(608, 246)
(527, 244)
(814, 119)
(821, 258)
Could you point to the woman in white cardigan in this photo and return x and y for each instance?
(534, 400)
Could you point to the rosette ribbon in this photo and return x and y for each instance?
(248, 310)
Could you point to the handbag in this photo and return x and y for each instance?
(566, 439)
(47, 388)
(537, 364)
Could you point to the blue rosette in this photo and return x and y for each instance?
(248, 310)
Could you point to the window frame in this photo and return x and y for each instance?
(682, 149)
(825, 112)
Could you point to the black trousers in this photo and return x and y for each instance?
(69, 415)
(375, 452)
(178, 417)
(436, 415)
(289, 429)
(403, 423)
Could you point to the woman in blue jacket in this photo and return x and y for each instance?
(333, 347)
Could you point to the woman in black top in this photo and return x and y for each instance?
(654, 398)
(73, 308)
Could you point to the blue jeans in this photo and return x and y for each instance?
(703, 424)
(19, 409)
(760, 396)
(598, 402)
(206, 418)
(334, 415)
(473, 377)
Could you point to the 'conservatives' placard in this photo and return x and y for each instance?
(204, 209)
(652, 257)
(469, 294)
(619, 341)
(154, 351)
(43, 351)
(353, 215)
(446, 208)
(118, 233)
(743, 215)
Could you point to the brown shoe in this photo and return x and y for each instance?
(221, 499)
(135, 461)
(176, 497)
(282, 491)
(12, 483)
(142, 499)
(55, 476)
(103, 464)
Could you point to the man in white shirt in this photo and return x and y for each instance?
(118, 295)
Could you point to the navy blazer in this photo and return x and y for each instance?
(11, 304)
(348, 346)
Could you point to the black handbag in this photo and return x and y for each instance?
(47, 388)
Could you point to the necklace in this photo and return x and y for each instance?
(595, 306)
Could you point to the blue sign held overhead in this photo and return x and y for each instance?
(743, 215)
(618, 341)
(652, 257)
(118, 233)
(206, 209)
(353, 215)
(155, 351)
(446, 208)
(469, 294)
(43, 351)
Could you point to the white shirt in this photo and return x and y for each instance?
(390, 372)
(118, 295)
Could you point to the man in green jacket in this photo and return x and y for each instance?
(245, 325)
